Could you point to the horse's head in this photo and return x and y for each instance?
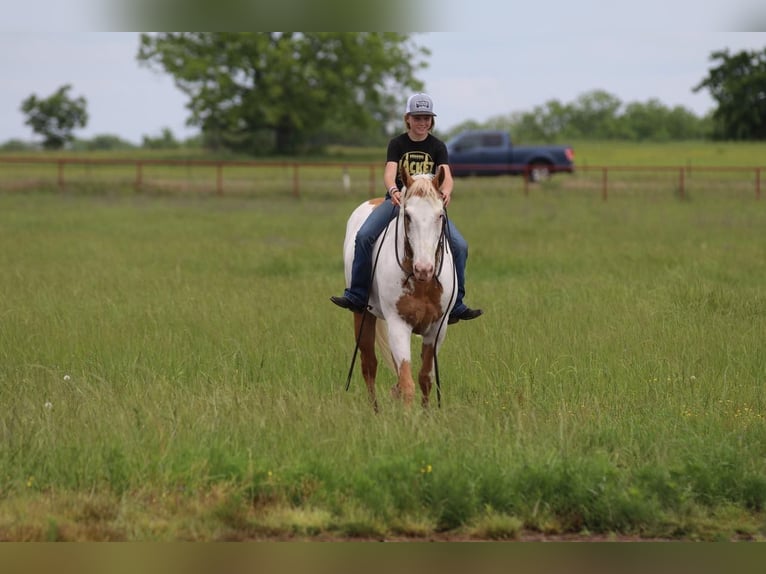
(423, 211)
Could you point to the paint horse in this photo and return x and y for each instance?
(413, 287)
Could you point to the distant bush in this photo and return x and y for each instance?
(195, 141)
(17, 145)
(166, 140)
(102, 142)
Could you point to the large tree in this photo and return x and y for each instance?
(286, 86)
(56, 116)
(738, 85)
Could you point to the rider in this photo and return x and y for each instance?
(422, 152)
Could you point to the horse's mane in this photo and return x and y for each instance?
(422, 186)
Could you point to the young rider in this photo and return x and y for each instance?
(422, 152)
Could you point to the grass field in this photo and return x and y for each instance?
(171, 369)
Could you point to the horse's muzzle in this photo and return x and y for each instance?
(423, 271)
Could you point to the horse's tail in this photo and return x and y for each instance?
(381, 339)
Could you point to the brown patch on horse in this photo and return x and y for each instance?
(427, 356)
(376, 202)
(367, 351)
(420, 307)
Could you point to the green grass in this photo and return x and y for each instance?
(691, 154)
(171, 368)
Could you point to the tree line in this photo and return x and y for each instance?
(286, 93)
(599, 115)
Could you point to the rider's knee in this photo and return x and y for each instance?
(459, 245)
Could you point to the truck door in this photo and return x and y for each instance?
(493, 149)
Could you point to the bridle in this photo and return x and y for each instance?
(408, 253)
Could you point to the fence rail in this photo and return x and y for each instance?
(236, 177)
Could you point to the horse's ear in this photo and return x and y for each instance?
(404, 175)
(440, 175)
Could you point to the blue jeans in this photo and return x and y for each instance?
(361, 269)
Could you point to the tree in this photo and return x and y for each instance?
(654, 121)
(597, 115)
(165, 141)
(55, 117)
(738, 85)
(594, 114)
(286, 85)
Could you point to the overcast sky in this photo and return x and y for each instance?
(516, 66)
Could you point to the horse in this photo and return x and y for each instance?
(413, 287)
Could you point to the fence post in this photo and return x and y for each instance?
(345, 179)
(60, 164)
(139, 176)
(757, 183)
(681, 182)
(372, 181)
(526, 181)
(296, 181)
(219, 178)
(604, 171)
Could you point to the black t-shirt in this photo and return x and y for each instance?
(420, 157)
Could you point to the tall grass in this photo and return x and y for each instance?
(171, 368)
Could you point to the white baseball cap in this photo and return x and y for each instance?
(420, 105)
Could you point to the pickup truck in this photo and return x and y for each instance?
(491, 152)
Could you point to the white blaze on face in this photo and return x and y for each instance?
(423, 223)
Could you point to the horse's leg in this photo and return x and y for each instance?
(367, 351)
(427, 354)
(399, 334)
(432, 342)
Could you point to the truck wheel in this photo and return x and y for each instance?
(539, 172)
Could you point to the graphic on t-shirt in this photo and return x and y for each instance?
(417, 162)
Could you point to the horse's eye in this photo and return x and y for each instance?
(407, 217)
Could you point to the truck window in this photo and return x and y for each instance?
(492, 140)
(470, 141)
